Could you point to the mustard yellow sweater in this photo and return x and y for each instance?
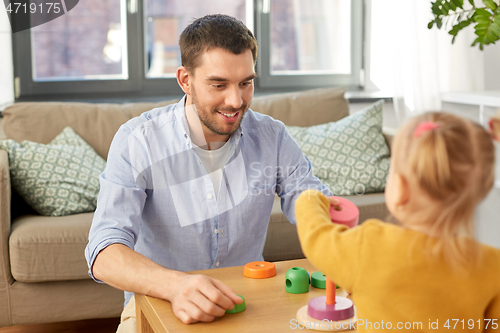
(391, 278)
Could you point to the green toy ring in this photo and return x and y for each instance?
(238, 307)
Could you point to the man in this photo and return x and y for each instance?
(190, 186)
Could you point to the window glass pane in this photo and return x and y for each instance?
(310, 37)
(86, 43)
(166, 19)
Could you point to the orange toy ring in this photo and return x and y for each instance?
(259, 270)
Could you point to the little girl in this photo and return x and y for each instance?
(428, 273)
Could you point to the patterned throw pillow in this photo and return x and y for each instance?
(351, 155)
(56, 179)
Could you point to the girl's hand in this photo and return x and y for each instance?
(334, 202)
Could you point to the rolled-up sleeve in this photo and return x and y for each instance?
(121, 199)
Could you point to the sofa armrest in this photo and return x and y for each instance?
(5, 276)
(389, 133)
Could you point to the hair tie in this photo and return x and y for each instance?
(425, 126)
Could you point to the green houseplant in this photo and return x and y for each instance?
(457, 15)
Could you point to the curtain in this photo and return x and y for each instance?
(6, 64)
(421, 63)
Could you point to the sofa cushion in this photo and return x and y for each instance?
(57, 179)
(304, 108)
(44, 248)
(95, 123)
(351, 155)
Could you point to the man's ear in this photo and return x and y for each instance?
(184, 79)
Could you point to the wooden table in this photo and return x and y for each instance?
(269, 307)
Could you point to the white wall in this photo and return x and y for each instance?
(6, 65)
(492, 66)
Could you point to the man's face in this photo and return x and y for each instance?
(221, 88)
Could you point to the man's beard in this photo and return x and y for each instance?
(211, 123)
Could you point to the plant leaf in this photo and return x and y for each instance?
(488, 38)
(487, 19)
(481, 12)
(490, 4)
(481, 31)
(439, 23)
(497, 19)
(487, 28)
(495, 28)
(445, 8)
(436, 7)
(482, 20)
(457, 27)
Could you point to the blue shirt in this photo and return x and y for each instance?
(157, 198)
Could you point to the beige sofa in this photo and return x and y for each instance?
(43, 272)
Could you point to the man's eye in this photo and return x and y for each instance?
(218, 86)
(246, 83)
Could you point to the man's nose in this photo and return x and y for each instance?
(234, 98)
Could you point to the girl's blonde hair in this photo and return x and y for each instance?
(454, 164)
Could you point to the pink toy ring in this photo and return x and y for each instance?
(345, 213)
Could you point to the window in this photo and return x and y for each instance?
(310, 43)
(85, 44)
(164, 22)
(131, 46)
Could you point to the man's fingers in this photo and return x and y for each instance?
(207, 305)
(184, 317)
(191, 313)
(228, 292)
(203, 300)
(213, 292)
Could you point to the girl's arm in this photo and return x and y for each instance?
(334, 249)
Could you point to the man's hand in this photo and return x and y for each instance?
(200, 298)
(194, 297)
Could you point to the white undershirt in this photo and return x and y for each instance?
(214, 161)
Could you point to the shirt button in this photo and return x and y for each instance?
(209, 196)
(217, 264)
(216, 231)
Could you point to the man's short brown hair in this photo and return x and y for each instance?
(216, 30)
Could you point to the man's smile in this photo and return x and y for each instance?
(229, 116)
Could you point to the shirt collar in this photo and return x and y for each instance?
(181, 115)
